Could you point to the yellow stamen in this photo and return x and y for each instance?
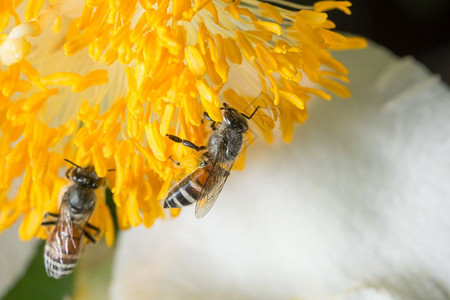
(155, 141)
(195, 61)
(330, 5)
(33, 8)
(271, 11)
(103, 83)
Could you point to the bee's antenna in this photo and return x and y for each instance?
(225, 106)
(73, 163)
(111, 170)
(253, 113)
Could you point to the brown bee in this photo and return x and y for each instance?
(204, 185)
(65, 242)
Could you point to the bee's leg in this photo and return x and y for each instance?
(67, 173)
(185, 142)
(176, 162)
(204, 160)
(48, 223)
(90, 238)
(51, 215)
(207, 117)
(96, 229)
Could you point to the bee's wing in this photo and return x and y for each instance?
(74, 230)
(71, 231)
(213, 186)
(63, 246)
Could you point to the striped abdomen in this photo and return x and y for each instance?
(188, 190)
(63, 249)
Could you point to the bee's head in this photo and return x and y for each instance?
(85, 177)
(235, 119)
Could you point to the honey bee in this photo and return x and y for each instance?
(65, 242)
(204, 185)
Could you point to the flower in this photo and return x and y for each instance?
(357, 203)
(102, 84)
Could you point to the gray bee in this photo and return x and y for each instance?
(65, 242)
(204, 185)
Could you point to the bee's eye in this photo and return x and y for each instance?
(94, 185)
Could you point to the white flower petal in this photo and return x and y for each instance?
(368, 294)
(360, 198)
(15, 256)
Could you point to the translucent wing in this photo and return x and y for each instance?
(63, 246)
(213, 186)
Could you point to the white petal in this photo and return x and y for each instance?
(368, 294)
(15, 256)
(360, 198)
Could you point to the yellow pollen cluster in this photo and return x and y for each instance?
(102, 83)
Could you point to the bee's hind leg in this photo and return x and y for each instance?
(185, 142)
(96, 229)
(89, 237)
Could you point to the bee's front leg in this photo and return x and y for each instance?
(68, 173)
(185, 142)
(213, 123)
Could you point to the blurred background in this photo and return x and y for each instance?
(406, 27)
